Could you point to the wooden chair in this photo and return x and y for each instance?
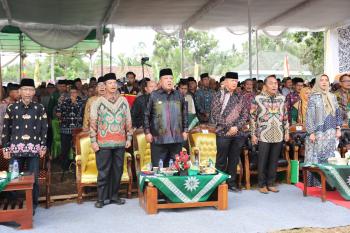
(142, 150)
(202, 140)
(344, 142)
(44, 174)
(86, 170)
(251, 162)
(297, 142)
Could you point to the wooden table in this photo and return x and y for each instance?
(323, 180)
(149, 200)
(20, 213)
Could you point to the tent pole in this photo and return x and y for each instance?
(102, 56)
(20, 56)
(182, 52)
(1, 93)
(250, 41)
(110, 55)
(52, 66)
(257, 54)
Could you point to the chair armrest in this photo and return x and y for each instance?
(129, 159)
(286, 153)
(195, 152)
(137, 160)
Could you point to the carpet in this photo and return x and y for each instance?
(248, 212)
(332, 196)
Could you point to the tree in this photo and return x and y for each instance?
(199, 48)
(312, 50)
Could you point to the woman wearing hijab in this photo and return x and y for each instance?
(323, 125)
(301, 105)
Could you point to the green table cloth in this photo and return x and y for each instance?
(338, 176)
(185, 189)
(4, 182)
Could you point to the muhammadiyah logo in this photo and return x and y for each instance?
(191, 183)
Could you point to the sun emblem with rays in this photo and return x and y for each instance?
(191, 183)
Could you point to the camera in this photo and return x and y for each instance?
(144, 60)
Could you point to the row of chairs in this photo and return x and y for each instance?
(202, 143)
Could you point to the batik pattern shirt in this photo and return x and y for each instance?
(269, 118)
(203, 100)
(343, 99)
(228, 111)
(166, 117)
(291, 99)
(25, 129)
(3, 107)
(71, 114)
(110, 122)
(87, 110)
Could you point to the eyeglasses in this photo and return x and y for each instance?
(345, 81)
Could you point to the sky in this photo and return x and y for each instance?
(127, 41)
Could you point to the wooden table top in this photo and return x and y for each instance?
(21, 183)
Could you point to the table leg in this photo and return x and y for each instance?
(27, 220)
(323, 184)
(305, 181)
(151, 200)
(222, 197)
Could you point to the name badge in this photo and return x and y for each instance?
(160, 102)
(299, 128)
(205, 131)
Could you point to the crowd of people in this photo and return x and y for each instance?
(166, 112)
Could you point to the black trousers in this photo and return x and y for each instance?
(228, 154)
(164, 152)
(66, 145)
(30, 164)
(268, 156)
(109, 164)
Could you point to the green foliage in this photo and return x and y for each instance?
(311, 45)
(199, 48)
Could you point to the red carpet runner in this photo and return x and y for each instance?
(332, 196)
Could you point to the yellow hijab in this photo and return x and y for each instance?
(327, 97)
(302, 104)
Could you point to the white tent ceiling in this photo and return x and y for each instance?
(204, 14)
(62, 23)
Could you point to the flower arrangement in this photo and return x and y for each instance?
(182, 161)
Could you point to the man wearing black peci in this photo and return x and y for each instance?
(165, 121)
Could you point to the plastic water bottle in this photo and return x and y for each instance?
(171, 163)
(196, 163)
(160, 165)
(15, 170)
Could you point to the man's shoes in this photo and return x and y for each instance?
(233, 189)
(263, 190)
(99, 204)
(273, 189)
(118, 201)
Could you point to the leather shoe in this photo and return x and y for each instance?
(99, 204)
(273, 189)
(118, 201)
(263, 190)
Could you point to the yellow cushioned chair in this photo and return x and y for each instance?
(202, 141)
(142, 150)
(86, 172)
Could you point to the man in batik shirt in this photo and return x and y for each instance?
(343, 97)
(292, 98)
(229, 115)
(25, 132)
